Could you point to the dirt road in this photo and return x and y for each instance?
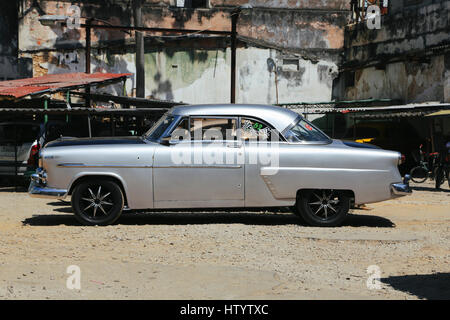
(237, 255)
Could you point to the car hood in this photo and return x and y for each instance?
(94, 141)
(354, 144)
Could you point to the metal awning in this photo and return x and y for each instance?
(16, 89)
(393, 111)
(439, 113)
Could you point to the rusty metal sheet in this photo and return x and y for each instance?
(53, 82)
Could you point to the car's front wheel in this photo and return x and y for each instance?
(323, 208)
(97, 202)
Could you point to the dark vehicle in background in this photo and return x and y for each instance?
(18, 148)
(397, 136)
(21, 141)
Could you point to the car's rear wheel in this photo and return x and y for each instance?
(323, 208)
(97, 202)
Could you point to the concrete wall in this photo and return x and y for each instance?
(304, 38)
(8, 40)
(407, 59)
(203, 75)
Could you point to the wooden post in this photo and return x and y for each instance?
(88, 46)
(140, 53)
(89, 126)
(430, 124)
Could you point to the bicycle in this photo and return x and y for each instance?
(422, 172)
(442, 172)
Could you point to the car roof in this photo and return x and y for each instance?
(279, 117)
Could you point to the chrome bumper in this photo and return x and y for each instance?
(38, 189)
(402, 189)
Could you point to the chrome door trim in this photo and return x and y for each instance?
(82, 165)
(199, 167)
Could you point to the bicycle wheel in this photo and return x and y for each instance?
(419, 174)
(440, 177)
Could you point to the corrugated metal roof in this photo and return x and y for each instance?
(440, 113)
(425, 108)
(53, 82)
(91, 111)
(85, 111)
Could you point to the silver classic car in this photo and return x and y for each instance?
(219, 156)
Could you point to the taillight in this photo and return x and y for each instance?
(34, 153)
(401, 159)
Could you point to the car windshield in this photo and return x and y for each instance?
(159, 128)
(305, 131)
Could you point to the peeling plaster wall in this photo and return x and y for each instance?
(410, 82)
(308, 31)
(407, 59)
(203, 76)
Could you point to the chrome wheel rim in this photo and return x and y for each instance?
(96, 203)
(325, 204)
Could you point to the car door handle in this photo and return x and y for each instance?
(231, 145)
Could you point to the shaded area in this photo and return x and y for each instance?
(164, 217)
(425, 286)
(431, 189)
(12, 184)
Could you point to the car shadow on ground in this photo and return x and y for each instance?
(200, 217)
(18, 189)
(425, 286)
(417, 188)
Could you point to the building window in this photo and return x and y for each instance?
(193, 4)
(291, 64)
(349, 78)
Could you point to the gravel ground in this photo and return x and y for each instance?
(227, 255)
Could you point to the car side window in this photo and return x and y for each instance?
(181, 132)
(213, 129)
(256, 130)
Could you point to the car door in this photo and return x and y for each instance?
(262, 152)
(204, 169)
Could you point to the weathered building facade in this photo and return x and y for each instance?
(8, 40)
(407, 59)
(288, 51)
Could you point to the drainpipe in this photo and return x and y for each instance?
(140, 58)
(45, 108)
(234, 18)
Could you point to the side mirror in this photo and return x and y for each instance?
(166, 140)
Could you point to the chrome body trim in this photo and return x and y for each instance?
(82, 165)
(200, 167)
(402, 189)
(36, 190)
